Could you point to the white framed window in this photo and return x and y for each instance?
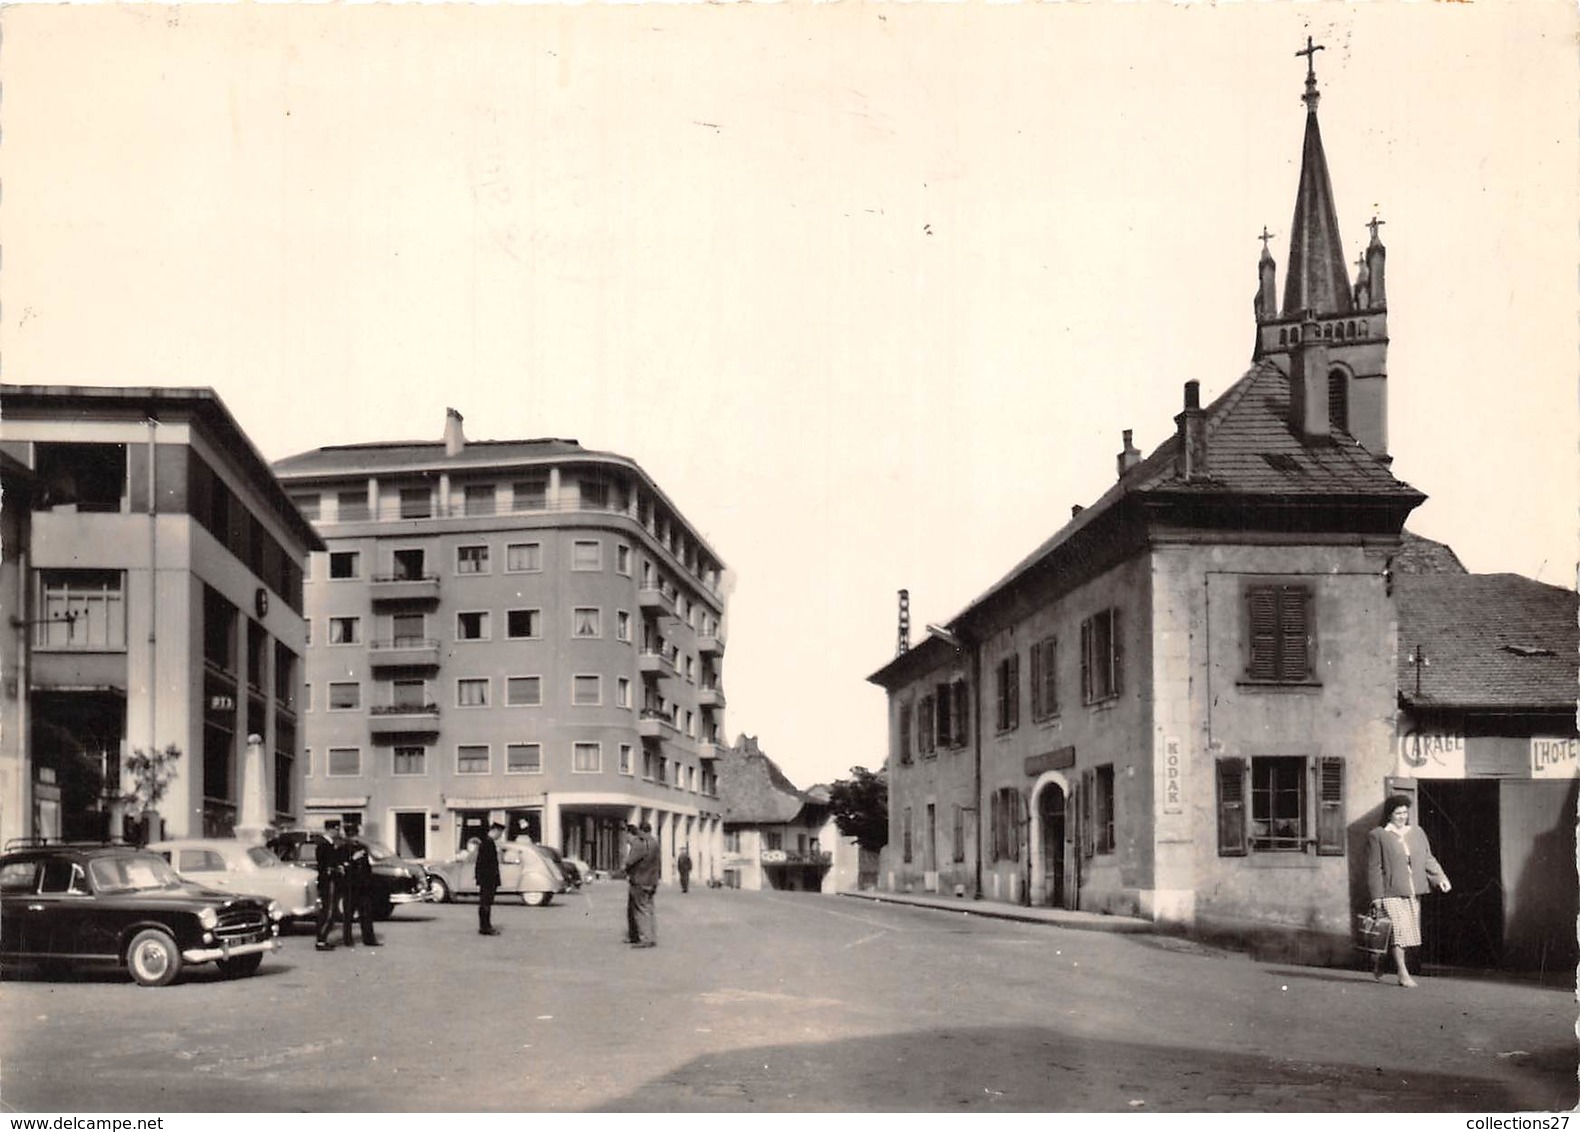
(344, 762)
(523, 624)
(523, 558)
(471, 625)
(479, 498)
(587, 554)
(471, 559)
(691, 725)
(345, 695)
(587, 691)
(529, 495)
(472, 758)
(691, 670)
(524, 758)
(409, 694)
(307, 762)
(587, 758)
(410, 761)
(344, 565)
(407, 564)
(523, 691)
(622, 625)
(416, 502)
(622, 692)
(586, 622)
(345, 630)
(627, 766)
(307, 697)
(622, 559)
(471, 692)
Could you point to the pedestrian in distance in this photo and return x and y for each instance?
(329, 855)
(1400, 869)
(358, 902)
(642, 866)
(683, 867)
(486, 870)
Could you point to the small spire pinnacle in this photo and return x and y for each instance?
(1375, 224)
(1311, 97)
(1264, 237)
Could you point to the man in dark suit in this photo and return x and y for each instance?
(329, 856)
(487, 873)
(359, 887)
(643, 864)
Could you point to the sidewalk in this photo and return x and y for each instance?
(998, 910)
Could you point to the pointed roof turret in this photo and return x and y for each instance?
(1318, 280)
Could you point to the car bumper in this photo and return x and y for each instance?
(224, 950)
(303, 912)
(408, 897)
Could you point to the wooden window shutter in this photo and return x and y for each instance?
(1014, 690)
(1086, 661)
(1116, 654)
(1231, 808)
(960, 711)
(1262, 623)
(1088, 842)
(1330, 807)
(1294, 662)
(1018, 823)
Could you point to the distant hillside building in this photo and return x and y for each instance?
(776, 836)
(526, 631)
(157, 600)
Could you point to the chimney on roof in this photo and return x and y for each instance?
(1192, 431)
(1130, 457)
(1308, 383)
(904, 644)
(454, 438)
(1076, 509)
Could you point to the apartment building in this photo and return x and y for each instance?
(525, 631)
(152, 578)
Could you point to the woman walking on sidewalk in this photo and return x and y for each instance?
(1400, 868)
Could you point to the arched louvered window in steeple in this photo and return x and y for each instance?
(1339, 400)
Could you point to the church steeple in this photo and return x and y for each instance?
(1329, 339)
(1318, 281)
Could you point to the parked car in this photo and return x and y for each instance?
(584, 871)
(115, 906)
(395, 879)
(524, 869)
(573, 875)
(224, 862)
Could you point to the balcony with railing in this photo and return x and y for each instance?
(404, 652)
(710, 643)
(710, 695)
(656, 724)
(709, 749)
(652, 662)
(404, 589)
(404, 719)
(655, 598)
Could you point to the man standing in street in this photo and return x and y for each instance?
(487, 874)
(359, 887)
(330, 858)
(642, 867)
(683, 867)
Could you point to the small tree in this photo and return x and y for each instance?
(151, 773)
(860, 805)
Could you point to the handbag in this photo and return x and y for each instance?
(1373, 932)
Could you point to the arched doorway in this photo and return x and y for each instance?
(1050, 847)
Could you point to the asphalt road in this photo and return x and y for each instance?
(775, 1002)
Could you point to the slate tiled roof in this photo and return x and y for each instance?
(1496, 641)
(1252, 450)
(1424, 556)
(415, 455)
(752, 788)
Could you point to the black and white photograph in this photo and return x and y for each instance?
(843, 558)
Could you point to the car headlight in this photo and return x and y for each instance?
(397, 871)
(275, 911)
(209, 919)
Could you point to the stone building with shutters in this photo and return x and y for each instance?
(1181, 705)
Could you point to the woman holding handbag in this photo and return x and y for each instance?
(1400, 868)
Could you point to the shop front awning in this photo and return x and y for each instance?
(355, 802)
(492, 801)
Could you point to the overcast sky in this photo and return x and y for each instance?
(871, 290)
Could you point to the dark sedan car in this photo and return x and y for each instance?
(395, 879)
(115, 906)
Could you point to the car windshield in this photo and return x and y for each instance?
(263, 858)
(139, 872)
(377, 851)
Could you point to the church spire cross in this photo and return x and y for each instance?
(1264, 237)
(1375, 224)
(1311, 96)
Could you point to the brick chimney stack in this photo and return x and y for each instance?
(1192, 431)
(1130, 457)
(904, 643)
(454, 438)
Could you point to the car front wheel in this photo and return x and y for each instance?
(240, 967)
(533, 899)
(153, 958)
(441, 890)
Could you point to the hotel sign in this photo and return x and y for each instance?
(1554, 758)
(1062, 758)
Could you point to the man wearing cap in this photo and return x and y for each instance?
(487, 873)
(330, 858)
(359, 886)
(642, 866)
